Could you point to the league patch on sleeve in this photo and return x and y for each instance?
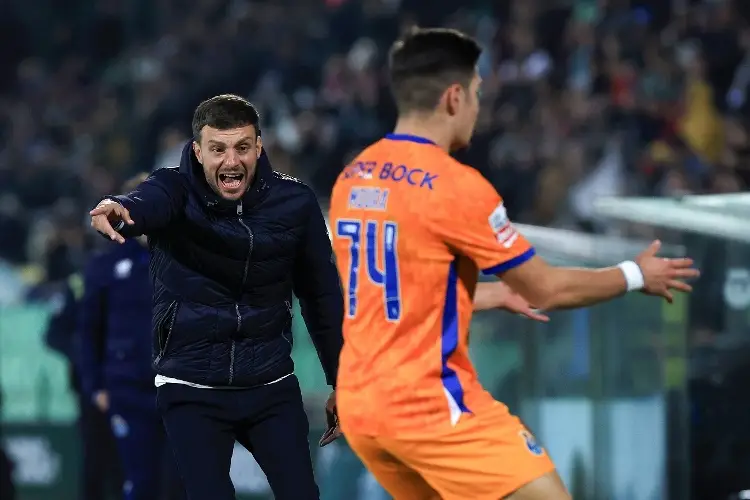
(500, 224)
(498, 218)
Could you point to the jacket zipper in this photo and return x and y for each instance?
(175, 306)
(242, 287)
(234, 345)
(291, 317)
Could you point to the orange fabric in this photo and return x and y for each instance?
(487, 456)
(411, 228)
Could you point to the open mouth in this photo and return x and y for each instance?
(231, 181)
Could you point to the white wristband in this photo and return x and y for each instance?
(633, 275)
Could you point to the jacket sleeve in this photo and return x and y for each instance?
(154, 203)
(62, 324)
(317, 286)
(92, 320)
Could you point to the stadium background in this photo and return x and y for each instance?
(582, 99)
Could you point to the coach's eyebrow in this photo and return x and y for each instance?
(243, 140)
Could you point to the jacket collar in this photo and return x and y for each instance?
(258, 190)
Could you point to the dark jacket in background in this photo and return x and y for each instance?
(115, 320)
(224, 273)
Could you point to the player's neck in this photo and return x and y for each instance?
(429, 128)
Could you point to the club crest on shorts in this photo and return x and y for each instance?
(531, 443)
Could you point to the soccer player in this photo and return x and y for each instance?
(412, 227)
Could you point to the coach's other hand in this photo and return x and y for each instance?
(661, 276)
(107, 215)
(333, 432)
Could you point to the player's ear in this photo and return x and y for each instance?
(453, 96)
(198, 152)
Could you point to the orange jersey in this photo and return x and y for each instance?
(412, 227)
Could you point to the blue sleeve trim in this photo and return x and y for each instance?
(510, 264)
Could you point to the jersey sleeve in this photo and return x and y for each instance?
(472, 220)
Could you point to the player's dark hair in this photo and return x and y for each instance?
(224, 112)
(129, 185)
(426, 61)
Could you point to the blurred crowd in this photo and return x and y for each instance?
(582, 98)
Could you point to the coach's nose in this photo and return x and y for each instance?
(231, 158)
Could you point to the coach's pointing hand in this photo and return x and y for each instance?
(107, 215)
(661, 276)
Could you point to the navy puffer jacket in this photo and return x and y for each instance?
(224, 272)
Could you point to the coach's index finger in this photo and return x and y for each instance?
(112, 207)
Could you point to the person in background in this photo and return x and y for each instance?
(61, 290)
(115, 314)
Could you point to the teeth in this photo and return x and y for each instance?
(231, 177)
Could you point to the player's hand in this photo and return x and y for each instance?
(333, 432)
(517, 304)
(662, 276)
(498, 295)
(101, 400)
(107, 215)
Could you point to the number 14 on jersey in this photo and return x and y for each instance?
(388, 278)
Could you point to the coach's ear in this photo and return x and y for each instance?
(198, 152)
(258, 147)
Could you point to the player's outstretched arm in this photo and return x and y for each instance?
(151, 206)
(551, 287)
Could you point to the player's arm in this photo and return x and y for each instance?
(151, 206)
(568, 287)
(477, 226)
(91, 327)
(318, 288)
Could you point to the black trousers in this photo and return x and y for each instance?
(203, 424)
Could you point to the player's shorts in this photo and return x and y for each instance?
(485, 456)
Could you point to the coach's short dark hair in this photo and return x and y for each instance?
(425, 62)
(225, 112)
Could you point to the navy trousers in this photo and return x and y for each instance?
(101, 473)
(270, 421)
(147, 462)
